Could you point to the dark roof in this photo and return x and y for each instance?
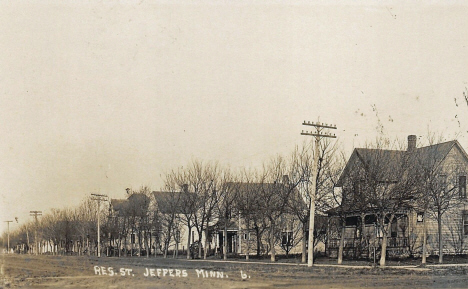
(168, 202)
(119, 204)
(390, 160)
(231, 225)
(139, 198)
(135, 205)
(255, 187)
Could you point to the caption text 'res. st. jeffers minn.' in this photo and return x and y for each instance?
(164, 272)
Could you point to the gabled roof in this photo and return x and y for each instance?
(253, 187)
(232, 225)
(246, 189)
(135, 205)
(168, 202)
(391, 159)
(119, 204)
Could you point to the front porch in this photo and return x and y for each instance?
(363, 237)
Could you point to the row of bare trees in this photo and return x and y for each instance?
(60, 231)
(206, 196)
(199, 196)
(265, 201)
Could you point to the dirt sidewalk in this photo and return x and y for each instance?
(91, 272)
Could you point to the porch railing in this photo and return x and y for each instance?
(397, 242)
(392, 242)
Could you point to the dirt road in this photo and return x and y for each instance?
(90, 272)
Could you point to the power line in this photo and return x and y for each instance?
(35, 214)
(99, 198)
(318, 134)
(8, 234)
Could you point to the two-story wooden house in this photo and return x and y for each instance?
(423, 186)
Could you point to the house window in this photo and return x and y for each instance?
(246, 236)
(370, 219)
(465, 223)
(351, 221)
(420, 217)
(287, 239)
(462, 186)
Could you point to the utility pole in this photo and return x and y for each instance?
(99, 198)
(318, 134)
(35, 214)
(8, 236)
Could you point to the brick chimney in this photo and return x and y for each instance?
(411, 143)
(185, 188)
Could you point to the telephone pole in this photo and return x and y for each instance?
(318, 134)
(35, 214)
(99, 198)
(8, 236)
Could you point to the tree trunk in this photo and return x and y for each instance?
(257, 231)
(188, 240)
(167, 241)
(304, 243)
(200, 236)
(131, 243)
(272, 242)
(150, 242)
(247, 253)
(125, 244)
(341, 246)
(206, 241)
(361, 236)
(441, 243)
(119, 244)
(225, 240)
(424, 250)
(146, 244)
(140, 242)
(383, 252)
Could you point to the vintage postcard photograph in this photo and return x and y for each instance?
(233, 144)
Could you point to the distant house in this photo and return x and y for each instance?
(244, 230)
(128, 226)
(231, 224)
(172, 207)
(448, 164)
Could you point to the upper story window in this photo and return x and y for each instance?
(465, 223)
(462, 186)
(420, 217)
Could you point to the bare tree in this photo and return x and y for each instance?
(328, 171)
(276, 191)
(85, 219)
(439, 185)
(227, 193)
(202, 179)
(170, 203)
(188, 205)
(246, 201)
(137, 210)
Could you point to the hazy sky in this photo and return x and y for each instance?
(98, 97)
